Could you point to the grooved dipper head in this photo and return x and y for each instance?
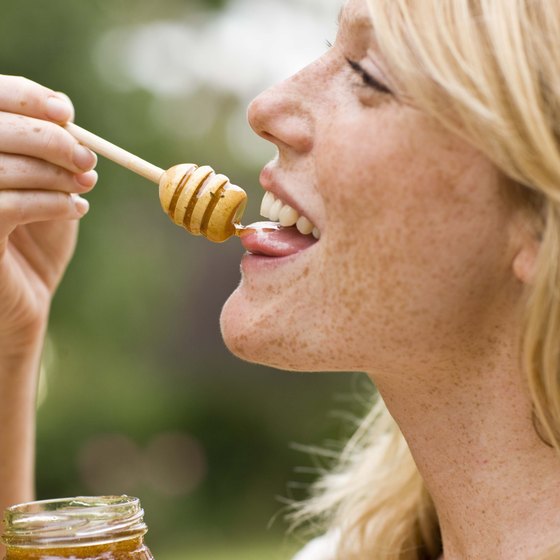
(201, 201)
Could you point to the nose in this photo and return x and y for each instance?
(282, 114)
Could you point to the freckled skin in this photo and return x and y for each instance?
(412, 282)
(413, 230)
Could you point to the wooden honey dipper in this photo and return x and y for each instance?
(196, 198)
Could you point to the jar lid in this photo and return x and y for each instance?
(73, 521)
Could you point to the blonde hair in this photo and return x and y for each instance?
(488, 70)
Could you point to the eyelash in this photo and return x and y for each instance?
(368, 79)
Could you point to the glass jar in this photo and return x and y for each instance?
(88, 528)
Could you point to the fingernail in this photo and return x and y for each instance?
(84, 158)
(87, 179)
(81, 204)
(58, 109)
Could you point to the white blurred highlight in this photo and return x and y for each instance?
(210, 64)
(110, 464)
(172, 464)
(46, 369)
(239, 50)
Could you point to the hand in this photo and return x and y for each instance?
(43, 169)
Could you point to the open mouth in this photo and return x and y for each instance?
(287, 233)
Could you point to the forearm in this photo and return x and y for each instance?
(18, 386)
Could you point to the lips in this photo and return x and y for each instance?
(289, 231)
(275, 241)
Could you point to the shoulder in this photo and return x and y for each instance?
(321, 548)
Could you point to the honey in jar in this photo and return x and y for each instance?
(86, 528)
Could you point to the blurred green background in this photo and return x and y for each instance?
(138, 393)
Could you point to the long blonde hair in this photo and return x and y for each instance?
(488, 70)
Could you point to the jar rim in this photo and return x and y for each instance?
(84, 520)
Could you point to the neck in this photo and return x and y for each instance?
(495, 484)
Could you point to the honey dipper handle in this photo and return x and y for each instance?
(114, 153)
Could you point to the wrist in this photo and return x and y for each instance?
(20, 345)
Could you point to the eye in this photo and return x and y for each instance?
(367, 79)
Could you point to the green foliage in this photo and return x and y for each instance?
(134, 337)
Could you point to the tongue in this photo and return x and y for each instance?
(275, 241)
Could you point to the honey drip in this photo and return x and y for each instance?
(257, 227)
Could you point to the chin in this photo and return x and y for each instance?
(240, 331)
(260, 338)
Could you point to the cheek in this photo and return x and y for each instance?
(419, 239)
(412, 256)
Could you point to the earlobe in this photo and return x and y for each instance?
(525, 262)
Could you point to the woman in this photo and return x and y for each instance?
(423, 148)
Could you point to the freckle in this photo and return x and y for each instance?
(22, 103)
(36, 129)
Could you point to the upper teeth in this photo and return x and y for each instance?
(274, 209)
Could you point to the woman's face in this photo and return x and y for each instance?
(414, 251)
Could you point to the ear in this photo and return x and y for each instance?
(525, 261)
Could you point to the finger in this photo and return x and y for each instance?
(66, 99)
(22, 96)
(25, 207)
(27, 173)
(44, 140)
